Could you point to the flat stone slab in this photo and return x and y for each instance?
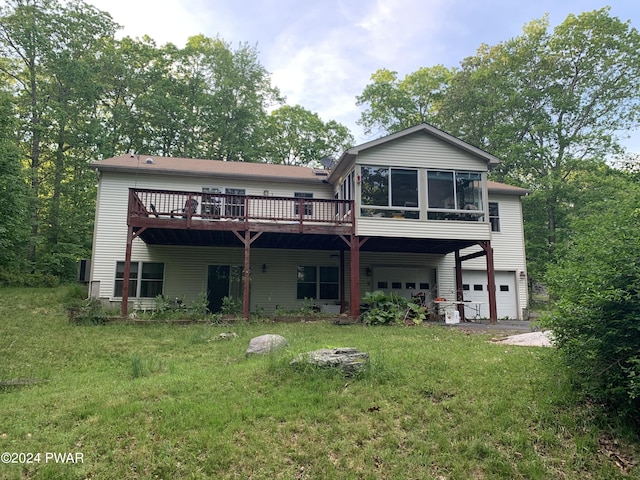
(532, 339)
(266, 344)
(349, 359)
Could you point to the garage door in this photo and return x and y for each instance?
(474, 286)
(406, 282)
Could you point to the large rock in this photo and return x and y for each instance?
(349, 359)
(265, 344)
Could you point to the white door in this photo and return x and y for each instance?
(474, 287)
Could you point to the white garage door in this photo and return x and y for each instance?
(404, 281)
(474, 286)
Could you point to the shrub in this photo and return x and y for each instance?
(596, 323)
(17, 278)
(92, 312)
(389, 309)
(231, 306)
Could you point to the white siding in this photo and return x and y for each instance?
(397, 227)
(110, 232)
(508, 247)
(421, 150)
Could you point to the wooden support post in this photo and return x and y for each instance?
(127, 272)
(459, 292)
(342, 286)
(491, 282)
(354, 265)
(247, 276)
(354, 297)
(247, 240)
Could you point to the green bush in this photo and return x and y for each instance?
(390, 309)
(16, 278)
(596, 322)
(92, 312)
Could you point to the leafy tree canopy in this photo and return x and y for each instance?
(297, 136)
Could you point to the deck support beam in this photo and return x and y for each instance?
(491, 281)
(343, 301)
(354, 242)
(247, 240)
(131, 235)
(487, 252)
(459, 292)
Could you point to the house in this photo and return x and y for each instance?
(411, 213)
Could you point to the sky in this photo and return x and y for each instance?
(321, 53)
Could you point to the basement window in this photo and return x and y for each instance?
(146, 279)
(315, 283)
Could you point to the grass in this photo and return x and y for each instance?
(179, 402)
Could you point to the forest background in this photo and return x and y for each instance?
(552, 104)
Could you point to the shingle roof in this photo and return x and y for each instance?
(504, 189)
(267, 171)
(199, 167)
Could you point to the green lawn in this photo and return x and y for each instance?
(177, 402)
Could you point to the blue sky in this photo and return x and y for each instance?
(321, 53)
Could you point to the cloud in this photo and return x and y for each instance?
(324, 63)
(171, 21)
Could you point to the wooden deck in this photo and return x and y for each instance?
(218, 211)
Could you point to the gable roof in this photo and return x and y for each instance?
(155, 164)
(350, 154)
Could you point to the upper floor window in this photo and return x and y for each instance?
(346, 187)
(454, 195)
(223, 202)
(392, 191)
(308, 206)
(494, 216)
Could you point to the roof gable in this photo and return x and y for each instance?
(348, 157)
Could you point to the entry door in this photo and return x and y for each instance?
(223, 281)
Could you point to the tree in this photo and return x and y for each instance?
(129, 70)
(229, 92)
(50, 51)
(205, 100)
(76, 94)
(296, 136)
(394, 104)
(562, 97)
(14, 232)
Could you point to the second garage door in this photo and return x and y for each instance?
(474, 286)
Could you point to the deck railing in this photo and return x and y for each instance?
(219, 206)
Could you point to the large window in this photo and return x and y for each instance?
(146, 279)
(389, 192)
(454, 195)
(321, 283)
